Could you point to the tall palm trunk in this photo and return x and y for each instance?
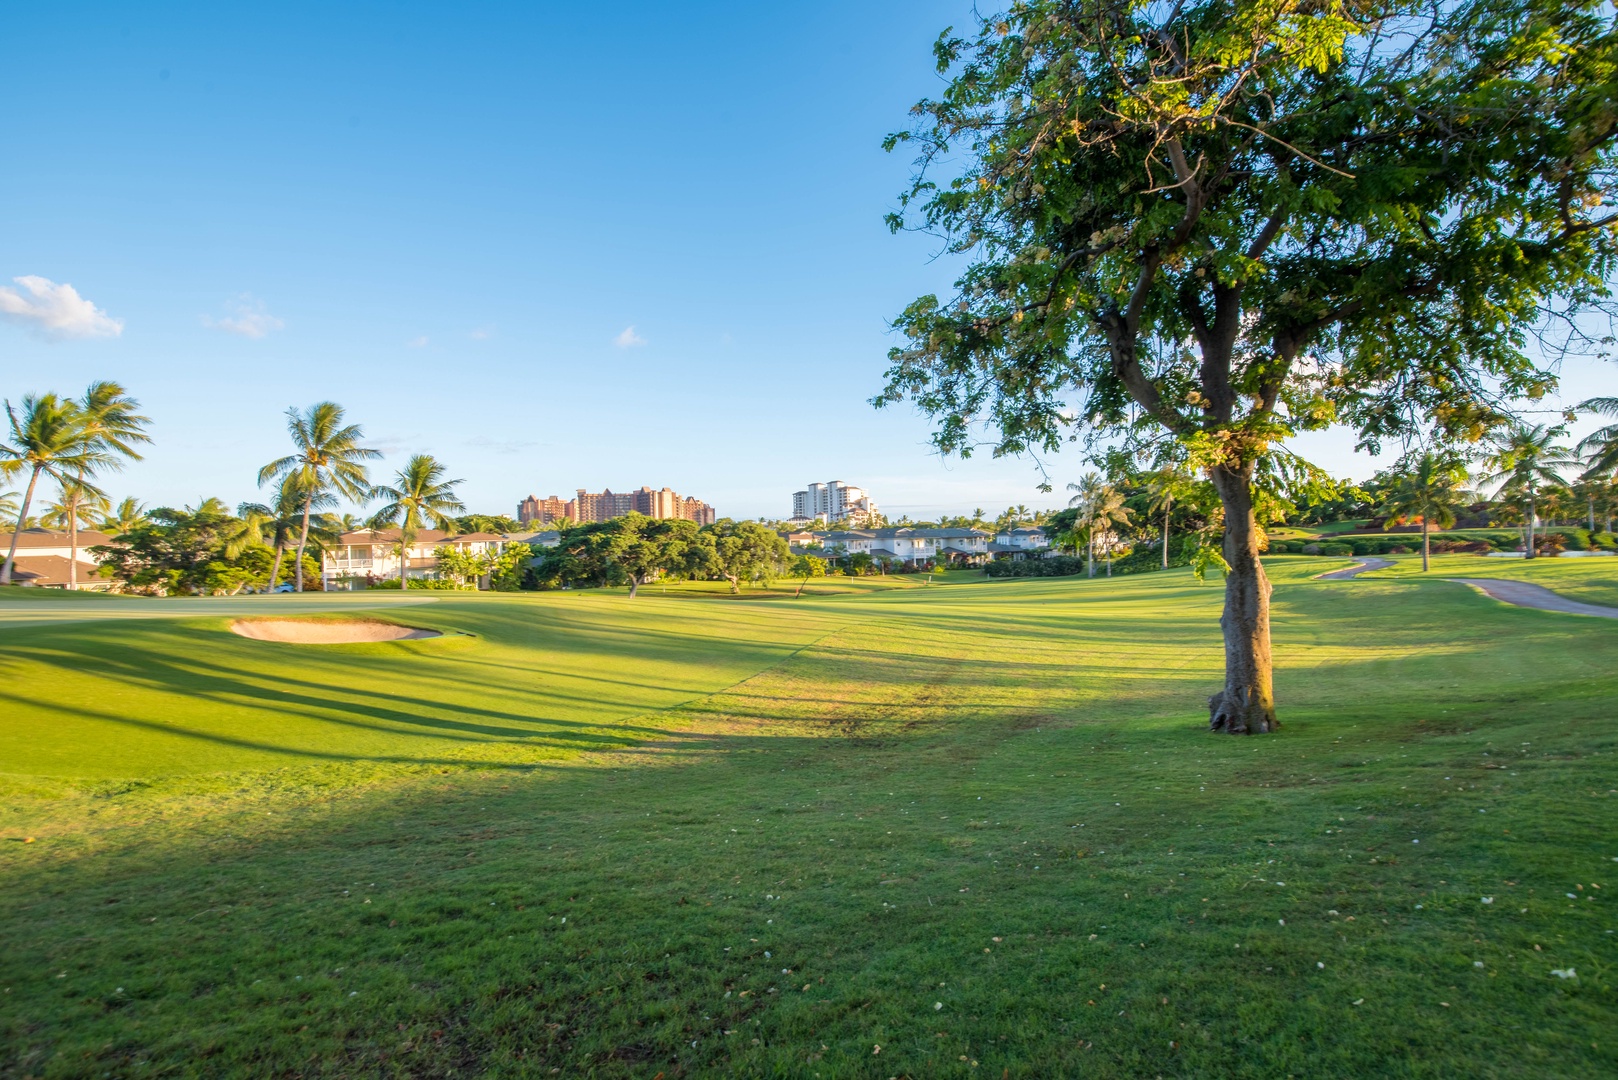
(22, 516)
(1168, 509)
(303, 541)
(73, 540)
(1090, 550)
(1425, 566)
(275, 567)
(404, 558)
(1530, 553)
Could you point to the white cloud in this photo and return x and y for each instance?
(55, 311)
(417, 342)
(628, 339)
(248, 317)
(482, 333)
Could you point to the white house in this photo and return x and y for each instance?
(899, 544)
(43, 558)
(373, 554)
(1019, 543)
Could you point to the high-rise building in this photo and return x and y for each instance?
(833, 501)
(604, 505)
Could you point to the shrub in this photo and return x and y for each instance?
(440, 584)
(1336, 549)
(1313, 549)
(1057, 566)
(1397, 549)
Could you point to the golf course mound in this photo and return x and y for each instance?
(327, 632)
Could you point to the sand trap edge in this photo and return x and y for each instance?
(327, 631)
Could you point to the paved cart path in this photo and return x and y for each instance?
(1356, 570)
(1524, 594)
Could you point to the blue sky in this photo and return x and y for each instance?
(556, 246)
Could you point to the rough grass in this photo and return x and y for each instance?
(924, 832)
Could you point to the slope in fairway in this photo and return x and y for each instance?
(965, 831)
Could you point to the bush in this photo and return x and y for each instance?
(1336, 549)
(439, 584)
(1057, 566)
(1313, 549)
(1397, 549)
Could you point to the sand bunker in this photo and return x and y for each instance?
(312, 632)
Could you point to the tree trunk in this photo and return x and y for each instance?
(1529, 552)
(275, 567)
(1168, 509)
(73, 542)
(1592, 505)
(303, 540)
(1246, 705)
(1424, 565)
(404, 562)
(1090, 553)
(22, 516)
(801, 584)
(634, 585)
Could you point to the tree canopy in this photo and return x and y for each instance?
(1217, 223)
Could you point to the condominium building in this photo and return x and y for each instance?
(604, 505)
(833, 501)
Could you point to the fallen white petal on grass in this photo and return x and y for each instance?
(1565, 973)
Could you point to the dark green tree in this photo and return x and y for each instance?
(740, 551)
(1218, 222)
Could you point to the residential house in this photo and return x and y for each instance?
(904, 545)
(371, 555)
(1021, 543)
(43, 558)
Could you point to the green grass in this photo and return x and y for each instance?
(981, 829)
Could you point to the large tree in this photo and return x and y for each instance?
(740, 551)
(328, 460)
(1220, 221)
(629, 550)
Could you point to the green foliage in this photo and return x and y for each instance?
(1051, 566)
(740, 551)
(628, 550)
(430, 584)
(1273, 184)
(190, 551)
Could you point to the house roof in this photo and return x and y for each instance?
(52, 538)
(48, 570)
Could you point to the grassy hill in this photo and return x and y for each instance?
(964, 831)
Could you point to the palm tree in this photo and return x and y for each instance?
(78, 504)
(1087, 490)
(1166, 485)
(111, 422)
(1525, 457)
(1429, 487)
(128, 514)
(49, 437)
(328, 460)
(420, 494)
(1600, 447)
(8, 504)
(287, 517)
(1109, 510)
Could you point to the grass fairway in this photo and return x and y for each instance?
(972, 831)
